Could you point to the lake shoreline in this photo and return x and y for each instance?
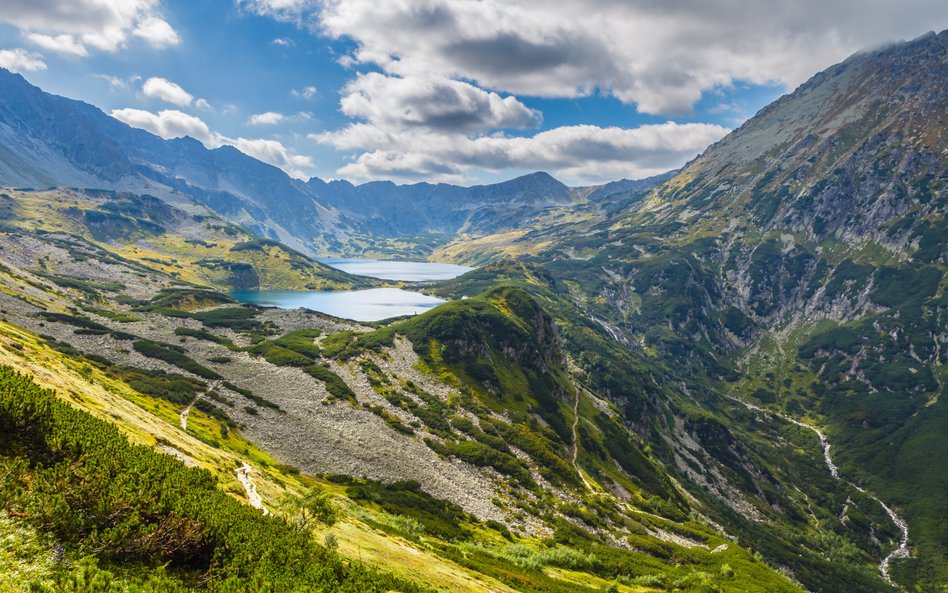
(374, 304)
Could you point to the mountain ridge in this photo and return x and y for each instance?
(71, 143)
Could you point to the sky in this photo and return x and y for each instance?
(461, 91)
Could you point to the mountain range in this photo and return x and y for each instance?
(54, 141)
(727, 378)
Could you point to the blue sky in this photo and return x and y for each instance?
(443, 90)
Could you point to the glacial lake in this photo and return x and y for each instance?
(406, 271)
(373, 304)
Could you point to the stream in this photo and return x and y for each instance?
(902, 550)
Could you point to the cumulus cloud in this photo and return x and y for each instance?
(286, 10)
(117, 83)
(437, 103)
(104, 25)
(164, 89)
(157, 32)
(580, 154)
(437, 95)
(307, 93)
(660, 56)
(171, 123)
(20, 60)
(274, 153)
(63, 44)
(268, 118)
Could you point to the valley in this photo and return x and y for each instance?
(727, 378)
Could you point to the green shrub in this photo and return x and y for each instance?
(333, 382)
(173, 355)
(437, 517)
(235, 318)
(482, 455)
(203, 334)
(281, 356)
(86, 486)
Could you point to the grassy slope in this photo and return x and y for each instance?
(786, 461)
(194, 249)
(367, 532)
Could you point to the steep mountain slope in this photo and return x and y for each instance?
(800, 263)
(145, 231)
(498, 468)
(51, 140)
(386, 209)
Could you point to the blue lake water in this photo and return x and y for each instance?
(406, 271)
(363, 305)
(359, 305)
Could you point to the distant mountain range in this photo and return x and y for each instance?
(47, 140)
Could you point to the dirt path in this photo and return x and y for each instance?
(576, 442)
(256, 501)
(902, 550)
(187, 410)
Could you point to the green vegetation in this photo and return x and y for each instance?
(185, 299)
(203, 334)
(333, 382)
(438, 518)
(174, 355)
(171, 387)
(482, 455)
(85, 285)
(127, 507)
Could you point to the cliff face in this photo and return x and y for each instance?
(850, 151)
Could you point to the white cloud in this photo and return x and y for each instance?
(274, 153)
(660, 56)
(268, 118)
(444, 75)
(157, 32)
(577, 154)
(164, 89)
(63, 44)
(116, 83)
(171, 123)
(431, 102)
(20, 60)
(304, 93)
(429, 127)
(286, 10)
(271, 118)
(203, 104)
(282, 41)
(104, 25)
